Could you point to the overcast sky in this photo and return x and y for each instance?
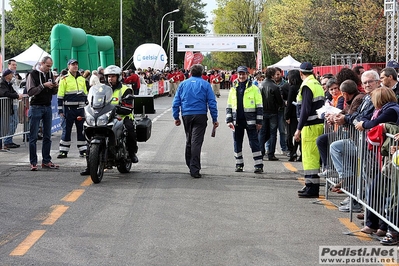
(6, 6)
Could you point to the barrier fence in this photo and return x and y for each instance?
(367, 169)
(13, 118)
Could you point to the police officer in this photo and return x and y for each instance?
(72, 97)
(310, 126)
(113, 77)
(245, 112)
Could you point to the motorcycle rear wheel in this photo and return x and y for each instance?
(124, 166)
(96, 163)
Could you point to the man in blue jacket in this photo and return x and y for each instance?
(192, 99)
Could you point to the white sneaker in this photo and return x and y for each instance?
(356, 207)
(325, 173)
(345, 201)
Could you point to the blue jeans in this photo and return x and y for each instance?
(238, 137)
(13, 125)
(269, 124)
(340, 150)
(282, 128)
(36, 114)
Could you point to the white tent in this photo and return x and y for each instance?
(287, 63)
(28, 58)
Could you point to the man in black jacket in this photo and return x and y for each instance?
(272, 100)
(41, 87)
(6, 90)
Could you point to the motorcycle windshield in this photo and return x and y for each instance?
(99, 96)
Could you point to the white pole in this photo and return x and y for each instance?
(174, 11)
(121, 36)
(3, 31)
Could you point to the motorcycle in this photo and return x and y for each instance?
(106, 134)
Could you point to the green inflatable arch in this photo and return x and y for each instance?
(68, 42)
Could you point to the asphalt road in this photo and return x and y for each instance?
(159, 215)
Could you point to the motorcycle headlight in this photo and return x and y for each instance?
(103, 119)
(90, 120)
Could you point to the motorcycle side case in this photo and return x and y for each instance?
(143, 129)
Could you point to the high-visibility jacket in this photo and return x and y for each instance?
(72, 91)
(252, 101)
(117, 98)
(317, 102)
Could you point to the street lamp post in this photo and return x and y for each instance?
(174, 11)
(121, 36)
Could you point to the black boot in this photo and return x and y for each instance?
(302, 190)
(86, 171)
(292, 157)
(135, 159)
(311, 191)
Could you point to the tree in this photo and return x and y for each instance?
(284, 23)
(237, 17)
(144, 18)
(31, 21)
(313, 30)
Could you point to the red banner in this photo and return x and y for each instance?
(190, 59)
(198, 57)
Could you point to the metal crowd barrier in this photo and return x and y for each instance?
(19, 120)
(366, 176)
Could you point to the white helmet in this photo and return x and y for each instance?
(113, 70)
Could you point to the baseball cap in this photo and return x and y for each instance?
(393, 64)
(242, 69)
(306, 67)
(7, 72)
(71, 61)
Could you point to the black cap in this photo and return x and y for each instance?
(71, 61)
(393, 64)
(242, 69)
(7, 72)
(306, 67)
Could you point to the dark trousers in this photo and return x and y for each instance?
(291, 143)
(131, 142)
(268, 132)
(323, 145)
(252, 134)
(71, 114)
(36, 114)
(194, 126)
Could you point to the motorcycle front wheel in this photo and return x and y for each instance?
(96, 163)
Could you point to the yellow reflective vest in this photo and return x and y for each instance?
(117, 98)
(252, 101)
(72, 91)
(317, 102)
